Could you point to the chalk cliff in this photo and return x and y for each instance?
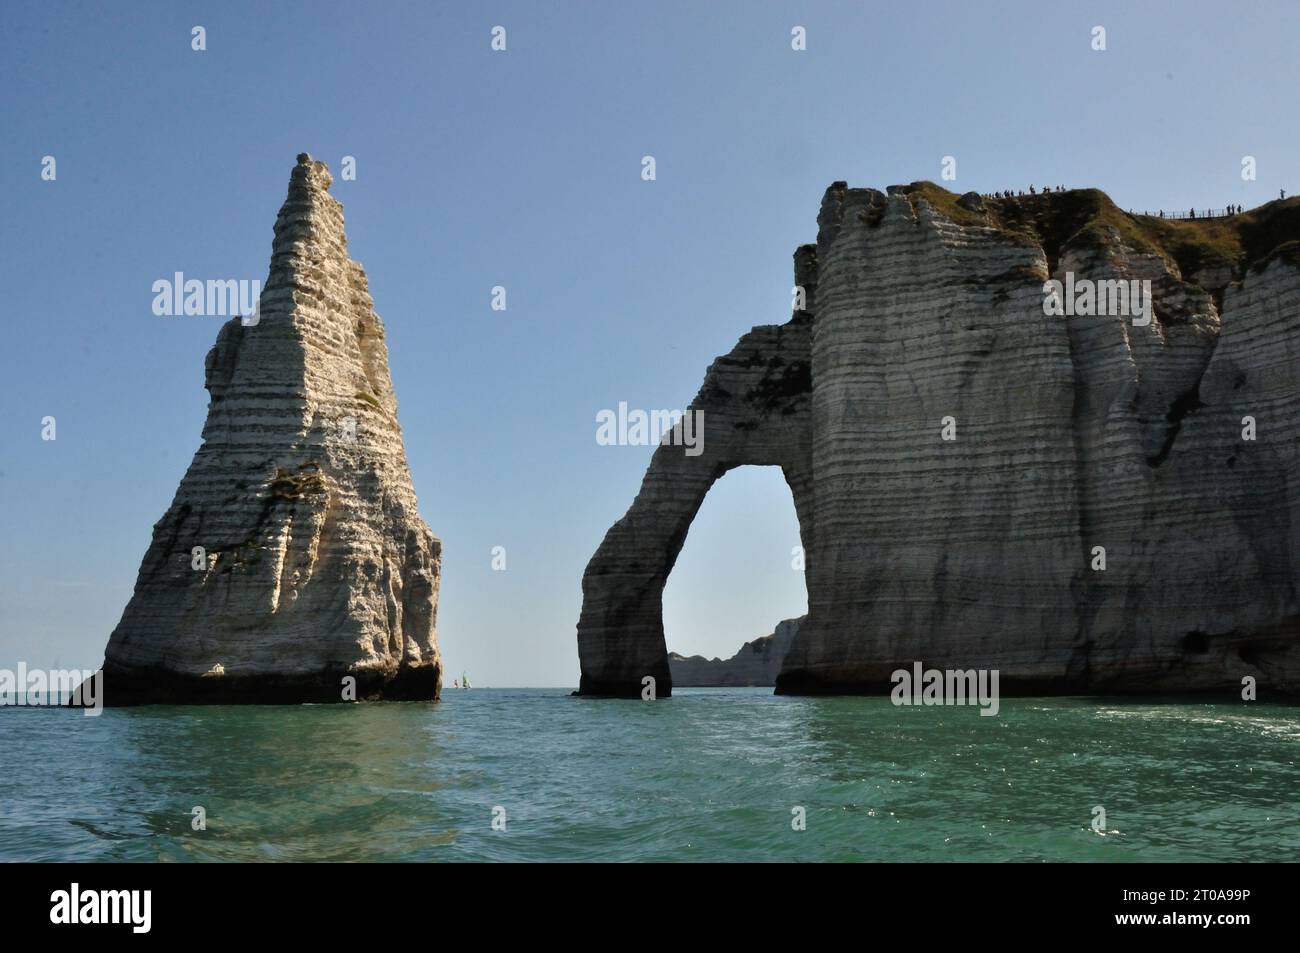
(292, 556)
(1068, 435)
(757, 663)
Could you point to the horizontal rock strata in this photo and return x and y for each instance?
(315, 567)
(1071, 434)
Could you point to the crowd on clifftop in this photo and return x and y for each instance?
(1011, 194)
(1205, 213)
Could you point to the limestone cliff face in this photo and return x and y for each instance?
(1071, 433)
(757, 663)
(315, 564)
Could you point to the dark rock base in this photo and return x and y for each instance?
(593, 688)
(1012, 686)
(128, 687)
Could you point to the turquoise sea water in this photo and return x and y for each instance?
(709, 774)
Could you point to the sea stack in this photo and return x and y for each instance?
(1085, 498)
(292, 565)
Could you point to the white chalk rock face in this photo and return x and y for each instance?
(1084, 502)
(292, 564)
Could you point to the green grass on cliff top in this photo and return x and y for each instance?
(1082, 218)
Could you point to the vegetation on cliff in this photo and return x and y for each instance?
(1083, 218)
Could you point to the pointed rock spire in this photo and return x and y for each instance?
(292, 558)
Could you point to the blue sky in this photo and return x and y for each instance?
(522, 169)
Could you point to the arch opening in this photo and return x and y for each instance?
(755, 411)
(739, 573)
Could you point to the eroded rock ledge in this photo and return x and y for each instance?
(1071, 433)
(316, 566)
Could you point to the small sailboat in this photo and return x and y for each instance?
(464, 680)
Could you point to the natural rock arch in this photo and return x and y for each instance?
(755, 404)
(970, 549)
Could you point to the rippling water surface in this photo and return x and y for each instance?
(709, 774)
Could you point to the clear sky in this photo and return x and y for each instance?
(523, 169)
